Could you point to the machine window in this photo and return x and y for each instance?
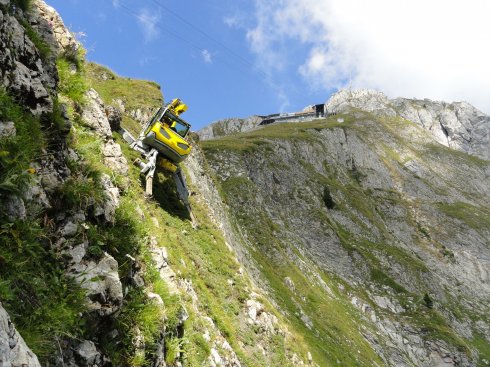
(175, 124)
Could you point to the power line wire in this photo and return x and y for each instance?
(142, 18)
(205, 34)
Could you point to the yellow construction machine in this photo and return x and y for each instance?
(163, 144)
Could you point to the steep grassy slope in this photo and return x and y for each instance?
(63, 206)
(374, 210)
(201, 259)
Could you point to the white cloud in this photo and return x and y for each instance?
(418, 48)
(101, 17)
(232, 21)
(207, 56)
(116, 3)
(148, 22)
(146, 60)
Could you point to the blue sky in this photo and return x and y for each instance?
(243, 57)
(201, 55)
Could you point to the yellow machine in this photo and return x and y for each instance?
(167, 132)
(163, 144)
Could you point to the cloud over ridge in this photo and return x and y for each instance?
(436, 49)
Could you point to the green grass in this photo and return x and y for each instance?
(381, 278)
(44, 304)
(18, 152)
(274, 259)
(439, 150)
(483, 347)
(335, 322)
(42, 301)
(334, 319)
(202, 257)
(73, 84)
(476, 217)
(25, 5)
(134, 93)
(138, 316)
(208, 264)
(252, 140)
(433, 326)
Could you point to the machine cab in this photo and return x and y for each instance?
(167, 132)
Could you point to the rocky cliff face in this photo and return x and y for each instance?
(457, 125)
(369, 206)
(228, 126)
(26, 71)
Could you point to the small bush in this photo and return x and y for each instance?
(72, 81)
(428, 301)
(17, 152)
(173, 350)
(327, 198)
(54, 123)
(380, 277)
(25, 5)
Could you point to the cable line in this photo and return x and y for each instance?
(189, 42)
(143, 19)
(205, 34)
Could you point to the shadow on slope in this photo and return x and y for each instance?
(165, 194)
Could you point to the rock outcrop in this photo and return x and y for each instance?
(99, 278)
(228, 126)
(23, 71)
(457, 125)
(48, 23)
(13, 349)
(96, 117)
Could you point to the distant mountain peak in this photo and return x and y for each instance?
(457, 125)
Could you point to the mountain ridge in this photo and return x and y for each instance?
(458, 125)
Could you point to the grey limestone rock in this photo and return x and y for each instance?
(82, 353)
(114, 115)
(22, 71)
(114, 158)
(94, 114)
(107, 209)
(14, 207)
(70, 229)
(88, 353)
(100, 279)
(119, 105)
(363, 99)
(160, 258)
(13, 349)
(457, 125)
(7, 129)
(51, 27)
(142, 115)
(228, 126)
